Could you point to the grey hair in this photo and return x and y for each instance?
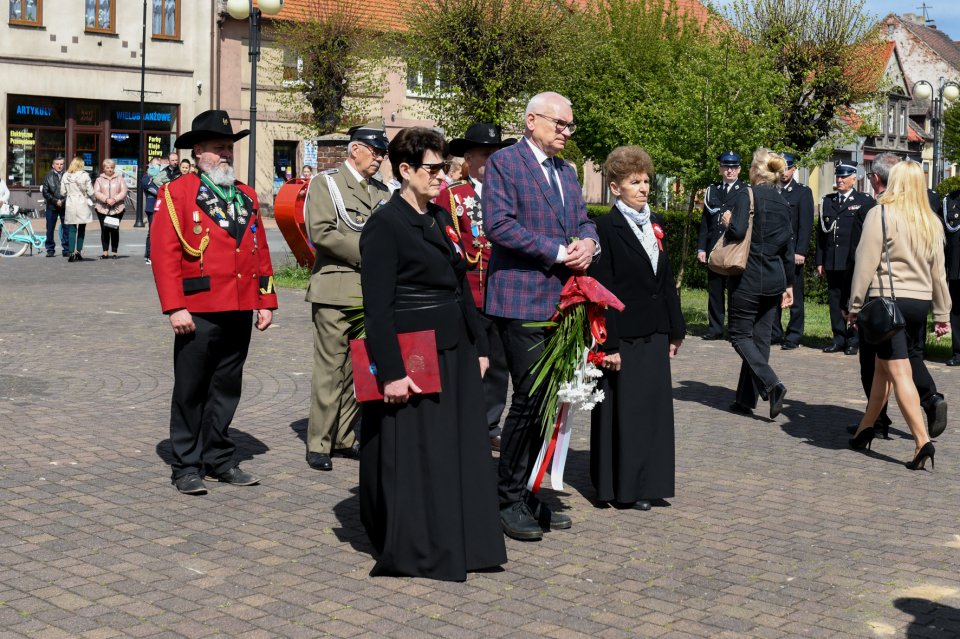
(540, 100)
(881, 165)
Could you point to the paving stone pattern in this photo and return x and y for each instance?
(777, 530)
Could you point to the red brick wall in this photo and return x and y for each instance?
(330, 154)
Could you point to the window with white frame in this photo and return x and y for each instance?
(423, 78)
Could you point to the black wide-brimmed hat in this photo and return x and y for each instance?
(371, 133)
(209, 125)
(482, 134)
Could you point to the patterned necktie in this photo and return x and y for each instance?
(552, 172)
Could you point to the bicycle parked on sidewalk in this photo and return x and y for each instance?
(17, 234)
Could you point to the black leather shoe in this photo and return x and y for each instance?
(740, 409)
(518, 523)
(953, 361)
(549, 519)
(350, 453)
(851, 350)
(777, 393)
(190, 484)
(643, 504)
(789, 346)
(236, 477)
(881, 430)
(319, 461)
(833, 348)
(937, 417)
(52, 254)
(712, 336)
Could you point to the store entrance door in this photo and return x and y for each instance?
(86, 145)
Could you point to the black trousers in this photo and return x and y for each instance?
(716, 303)
(208, 374)
(842, 334)
(109, 236)
(520, 441)
(795, 322)
(955, 315)
(915, 331)
(496, 379)
(751, 320)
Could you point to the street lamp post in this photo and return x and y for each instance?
(949, 91)
(241, 10)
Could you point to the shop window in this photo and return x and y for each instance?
(166, 19)
(99, 16)
(26, 12)
(30, 153)
(284, 162)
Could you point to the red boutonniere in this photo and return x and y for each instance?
(658, 233)
(452, 234)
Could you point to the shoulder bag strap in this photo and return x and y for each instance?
(886, 249)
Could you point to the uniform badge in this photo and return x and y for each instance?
(736, 187)
(197, 230)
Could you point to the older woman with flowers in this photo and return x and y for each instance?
(632, 429)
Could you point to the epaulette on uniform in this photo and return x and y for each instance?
(330, 172)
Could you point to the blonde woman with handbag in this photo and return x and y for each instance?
(76, 189)
(109, 194)
(900, 256)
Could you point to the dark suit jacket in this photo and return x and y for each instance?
(835, 248)
(413, 279)
(650, 300)
(770, 263)
(527, 223)
(715, 203)
(800, 199)
(950, 214)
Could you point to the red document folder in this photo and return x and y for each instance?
(419, 352)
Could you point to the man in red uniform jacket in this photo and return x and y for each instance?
(212, 268)
(463, 200)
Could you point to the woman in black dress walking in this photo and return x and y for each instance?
(631, 434)
(428, 493)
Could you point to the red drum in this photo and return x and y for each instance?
(288, 212)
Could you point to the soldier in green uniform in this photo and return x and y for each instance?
(338, 204)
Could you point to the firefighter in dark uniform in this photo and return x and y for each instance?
(464, 201)
(838, 213)
(729, 194)
(213, 275)
(950, 216)
(800, 199)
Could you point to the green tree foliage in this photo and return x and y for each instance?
(826, 50)
(951, 134)
(333, 67)
(684, 89)
(490, 56)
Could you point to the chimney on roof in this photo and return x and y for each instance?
(912, 17)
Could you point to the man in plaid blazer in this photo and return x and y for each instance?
(535, 216)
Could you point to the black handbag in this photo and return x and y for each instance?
(880, 318)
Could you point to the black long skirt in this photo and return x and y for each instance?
(428, 492)
(631, 430)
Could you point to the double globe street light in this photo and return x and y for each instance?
(241, 10)
(947, 91)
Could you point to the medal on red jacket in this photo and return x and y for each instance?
(197, 229)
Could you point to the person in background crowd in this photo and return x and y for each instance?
(76, 189)
(208, 231)
(729, 195)
(306, 172)
(338, 205)
(536, 219)
(457, 170)
(149, 200)
(800, 199)
(463, 199)
(109, 195)
(632, 460)
(427, 488)
(932, 402)
(950, 216)
(838, 213)
(169, 172)
(764, 287)
(4, 197)
(186, 167)
(903, 229)
(50, 190)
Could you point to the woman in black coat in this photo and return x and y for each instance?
(764, 287)
(428, 493)
(632, 429)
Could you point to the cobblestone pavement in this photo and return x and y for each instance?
(777, 530)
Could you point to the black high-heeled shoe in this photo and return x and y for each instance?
(863, 440)
(927, 452)
(882, 430)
